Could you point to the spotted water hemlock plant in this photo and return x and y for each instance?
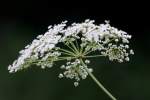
(75, 44)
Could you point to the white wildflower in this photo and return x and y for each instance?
(61, 75)
(132, 52)
(76, 84)
(87, 61)
(127, 59)
(73, 44)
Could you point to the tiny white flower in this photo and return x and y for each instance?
(62, 66)
(43, 67)
(76, 84)
(90, 69)
(124, 40)
(127, 46)
(127, 59)
(132, 52)
(87, 61)
(116, 40)
(61, 75)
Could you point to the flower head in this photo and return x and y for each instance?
(74, 44)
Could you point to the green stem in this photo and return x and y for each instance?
(64, 58)
(97, 82)
(78, 48)
(67, 52)
(70, 48)
(74, 47)
(87, 52)
(81, 50)
(93, 56)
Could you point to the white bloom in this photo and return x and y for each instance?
(132, 52)
(127, 59)
(116, 40)
(72, 44)
(75, 70)
(76, 84)
(87, 61)
(61, 75)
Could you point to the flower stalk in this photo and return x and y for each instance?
(98, 82)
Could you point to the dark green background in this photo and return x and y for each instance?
(126, 81)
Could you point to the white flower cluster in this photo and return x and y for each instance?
(72, 43)
(41, 51)
(75, 70)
